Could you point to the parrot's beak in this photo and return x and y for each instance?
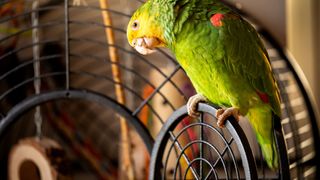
(145, 45)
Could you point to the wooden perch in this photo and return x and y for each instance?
(125, 164)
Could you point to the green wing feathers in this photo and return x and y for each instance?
(247, 57)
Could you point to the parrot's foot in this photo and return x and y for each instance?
(192, 104)
(223, 114)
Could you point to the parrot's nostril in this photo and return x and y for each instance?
(134, 42)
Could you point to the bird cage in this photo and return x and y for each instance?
(68, 73)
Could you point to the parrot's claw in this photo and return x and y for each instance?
(223, 114)
(192, 104)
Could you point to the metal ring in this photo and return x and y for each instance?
(231, 126)
(18, 110)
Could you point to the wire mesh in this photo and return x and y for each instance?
(73, 56)
(200, 149)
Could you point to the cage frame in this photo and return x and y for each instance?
(8, 119)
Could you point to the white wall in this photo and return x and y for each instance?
(303, 19)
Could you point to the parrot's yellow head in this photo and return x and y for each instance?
(143, 31)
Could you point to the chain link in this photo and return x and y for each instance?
(36, 64)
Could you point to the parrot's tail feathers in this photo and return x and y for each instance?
(270, 154)
(261, 119)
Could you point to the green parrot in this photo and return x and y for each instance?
(222, 55)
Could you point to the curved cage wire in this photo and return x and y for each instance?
(200, 149)
(62, 46)
(195, 148)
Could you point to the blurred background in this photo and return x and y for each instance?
(81, 137)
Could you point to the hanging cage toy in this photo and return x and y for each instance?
(68, 73)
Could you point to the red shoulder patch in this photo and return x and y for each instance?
(216, 20)
(263, 96)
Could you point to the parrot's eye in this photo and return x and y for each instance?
(135, 25)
